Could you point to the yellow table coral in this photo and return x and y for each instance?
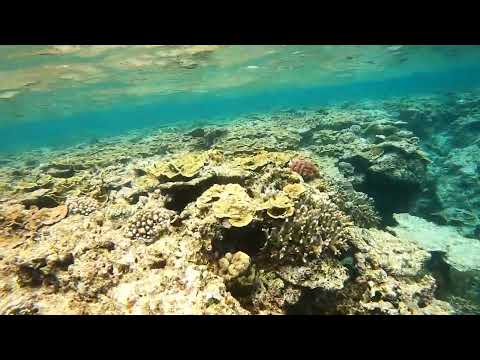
(253, 162)
(280, 206)
(230, 202)
(187, 165)
(294, 191)
(163, 169)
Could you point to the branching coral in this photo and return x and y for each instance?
(121, 209)
(316, 226)
(214, 252)
(359, 206)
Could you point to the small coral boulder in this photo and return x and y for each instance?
(305, 168)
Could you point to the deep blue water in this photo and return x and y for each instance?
(219, 106)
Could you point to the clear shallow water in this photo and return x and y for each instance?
(59, 96)
(43, 83)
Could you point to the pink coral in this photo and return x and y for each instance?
(305, 168)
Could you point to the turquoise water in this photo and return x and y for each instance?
(190, 109)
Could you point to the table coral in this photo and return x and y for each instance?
(47, 216)
(294, 191)
(280, 206)
(230, 202)
(186, 165)
(254, 162)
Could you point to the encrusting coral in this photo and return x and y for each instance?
(391, 279)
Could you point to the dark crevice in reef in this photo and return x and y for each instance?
(314, 302)
(249, 239)
(178, 197)
(243, 294)
(390, 197)
(323, 301)
(348, 262)
(440, 270)
(304, 306)
(135, 197)
(34, 275)
(182, 194)
(30, 276)
(41, 202)
(428, 205)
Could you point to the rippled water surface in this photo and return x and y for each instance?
(76, 92)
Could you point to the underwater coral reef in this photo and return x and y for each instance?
(346, 209)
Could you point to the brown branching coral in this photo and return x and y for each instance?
(359, 206)
(317, 226)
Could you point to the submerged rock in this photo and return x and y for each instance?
(462, 253)
(39, 198)
(328, 274)
(199, 132)
(60, 173)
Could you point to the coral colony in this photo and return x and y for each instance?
(305, 168)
